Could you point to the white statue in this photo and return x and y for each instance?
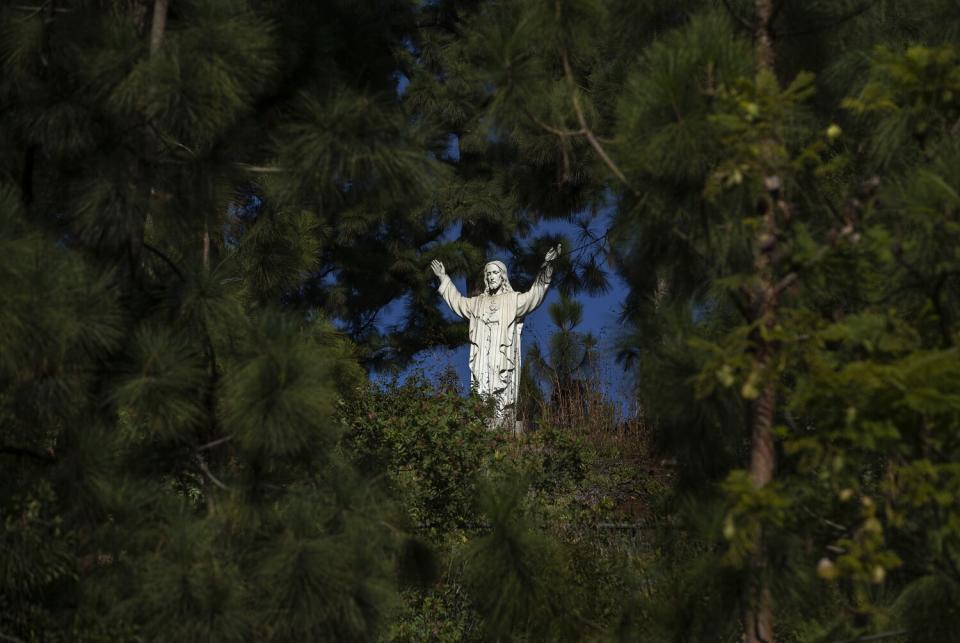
(496, 320)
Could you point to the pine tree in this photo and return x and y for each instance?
(742, 186)
(177, 183)
(565, 368)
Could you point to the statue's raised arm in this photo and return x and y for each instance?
(530, 300)
(552, 254)
(462, 306)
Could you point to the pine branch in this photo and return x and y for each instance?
(559, 131)
(578, 109)
(741, 303)
(833, 24)
(777, 7)
(740, 20)
(584, 130)
(792, 277)
(564, 135)
(680, 234)
(364, 325)
(836, 235)
(594, 240)
(941, 311)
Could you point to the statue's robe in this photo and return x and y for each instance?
(496, 322)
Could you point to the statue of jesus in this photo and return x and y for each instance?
(496, 320)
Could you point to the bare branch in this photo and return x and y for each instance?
(565, 155)
(217, 442)
(206, 245)
(165, 259)
(559, 131)
(259, 169)
(594, 143)
(206, 470)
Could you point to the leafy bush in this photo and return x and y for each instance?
(428, 444)
(443, 613)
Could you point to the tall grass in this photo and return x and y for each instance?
(598, 406)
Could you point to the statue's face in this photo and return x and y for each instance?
(494, 277)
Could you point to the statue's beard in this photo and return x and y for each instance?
(498, 288)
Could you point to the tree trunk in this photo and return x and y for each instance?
(763, 45)
(758, 612)
(159, 24)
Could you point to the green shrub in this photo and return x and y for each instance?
(428, 445)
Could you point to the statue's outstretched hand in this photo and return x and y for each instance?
(553, 253)
(437, 268)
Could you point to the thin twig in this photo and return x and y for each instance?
(592, 242)
(259, 169)
(213, 478)
(364, 325)
(165, 259)
(217, 442)
(559, 131)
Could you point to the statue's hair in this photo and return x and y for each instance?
(506, 278)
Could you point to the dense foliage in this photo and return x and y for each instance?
(207, 207)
